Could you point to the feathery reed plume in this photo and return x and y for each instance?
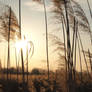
(59, 48)
(14, 30)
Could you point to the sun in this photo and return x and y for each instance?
(26, 46)
(21, 44)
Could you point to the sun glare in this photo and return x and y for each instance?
(21, 44)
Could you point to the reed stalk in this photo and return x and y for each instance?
(22, 59)
(46, 26)
(8, 58)
(83, 54)
(80, 62)
(16, 62)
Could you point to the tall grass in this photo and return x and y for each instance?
(83, 54)
(8, 58)
(22, 59)
(80, 61)
(46, 29)
(16, 59)
(27, 64)
(46, 36)
(74, 17)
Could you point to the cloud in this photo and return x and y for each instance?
(34, 6)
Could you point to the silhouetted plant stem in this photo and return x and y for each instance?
(68, 34)
(46, 25)
(22, 60)
(89, 8)
(8, 58)
(74, 42)
(91, 17)
(20, 17)
(27, 64)
(68, 49)
(16, 62)
(64, 45)
(80, 61)
(76, 29)
(64, 48)
(90, 60)
(4, 60)
(83, 54)
(18, 66)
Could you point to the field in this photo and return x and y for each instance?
(39, 83)
(36, 83)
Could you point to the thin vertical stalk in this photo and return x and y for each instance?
(83, 54)
(8, 58)
(73, 42)
(68, 33)
(18, 67)
(90, 60)
(22, 60)
(20, 17)
(89, 9)
(16, 62)
(64, 48)
(27, 64)
(4, 62)
(73, 37)
(75, 53)
(68, 49)
(45, 12)
(80, 61)
(91, 17)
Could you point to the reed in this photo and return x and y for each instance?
(8, 58)
(75, 20)
(46, 29)
(22, 59)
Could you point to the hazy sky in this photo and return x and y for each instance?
(34, 28)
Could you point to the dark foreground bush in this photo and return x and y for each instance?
(84, 87)
(13, 86)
